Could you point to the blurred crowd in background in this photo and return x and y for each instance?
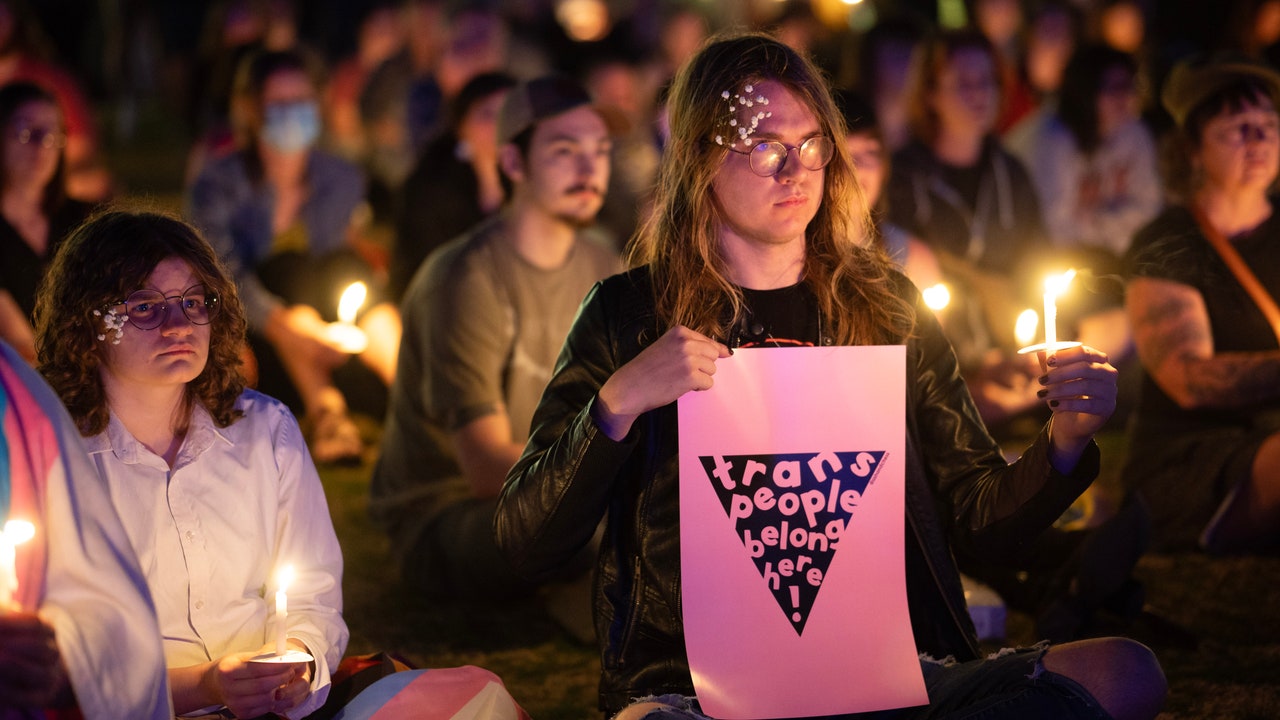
(998, 140)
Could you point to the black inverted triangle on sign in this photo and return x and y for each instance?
(789, 511)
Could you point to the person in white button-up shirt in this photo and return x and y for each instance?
(139, 330)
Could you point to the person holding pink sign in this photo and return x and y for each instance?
(759, 238)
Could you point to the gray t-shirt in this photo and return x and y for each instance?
(482, 328)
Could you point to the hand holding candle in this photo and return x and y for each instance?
(14, 534)
(344, 333)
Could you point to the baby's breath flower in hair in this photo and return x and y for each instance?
(112, 321)
(736, 103)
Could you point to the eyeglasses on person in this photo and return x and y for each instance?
(769, 157)
(1237, 134)
(147, 309)
(47, 138)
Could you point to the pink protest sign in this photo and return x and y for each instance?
(791, 517)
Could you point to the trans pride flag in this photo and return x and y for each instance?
(461, 693)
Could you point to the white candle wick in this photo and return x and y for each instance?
(283, 578)
(1053, 287)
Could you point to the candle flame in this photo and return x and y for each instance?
(1025, 328)
(17, 532)
(352, 298)
(283, 577)
(1057, 284)
(936, 297)
(583, 20)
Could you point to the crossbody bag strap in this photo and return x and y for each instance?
(1240, 269)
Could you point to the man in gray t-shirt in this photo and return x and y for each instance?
(484, 319)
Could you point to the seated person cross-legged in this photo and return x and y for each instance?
(284, 216)
(485, 318)
(757, 222)
(1205, 441)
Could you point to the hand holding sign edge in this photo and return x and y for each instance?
(679, 361)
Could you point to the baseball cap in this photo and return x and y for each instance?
(1193, 81)
(533, 101)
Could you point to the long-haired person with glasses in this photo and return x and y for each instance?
(744, 249)
(139, 330)
(35, 212)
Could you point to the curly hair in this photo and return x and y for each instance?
(851, 280)
(105, 259)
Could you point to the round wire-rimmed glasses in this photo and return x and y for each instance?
(147, 309)
(768, 157)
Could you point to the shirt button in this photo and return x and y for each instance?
(199, 604)
(191, 535)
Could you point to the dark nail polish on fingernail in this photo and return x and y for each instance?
(1044, 379)
(1041, 393)
(1052, 361)
(1053, 403)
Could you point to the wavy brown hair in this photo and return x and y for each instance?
(105, 259)
(679, 241)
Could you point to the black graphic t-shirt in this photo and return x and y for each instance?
(785, 317)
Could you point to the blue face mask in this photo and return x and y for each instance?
(291, 126)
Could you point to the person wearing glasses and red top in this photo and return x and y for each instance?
(35, 212)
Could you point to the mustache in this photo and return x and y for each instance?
(584, 187)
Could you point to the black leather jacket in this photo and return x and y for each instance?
(959, 491)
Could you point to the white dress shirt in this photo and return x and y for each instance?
(211, 533)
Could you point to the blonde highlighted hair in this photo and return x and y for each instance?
(850, 278)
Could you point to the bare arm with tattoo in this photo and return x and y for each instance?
(1175, 342)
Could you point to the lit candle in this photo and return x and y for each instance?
(936, 297)
(344, 333)
(1024, 330)
(14, 534)
(283, 578)
(1053, 287)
